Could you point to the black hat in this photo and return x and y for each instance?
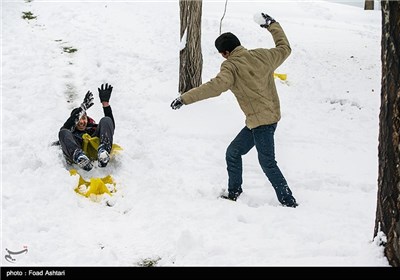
(226, 42)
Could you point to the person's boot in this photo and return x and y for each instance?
(291, 202)
(232, 195)
(82, 160)
(103, 156)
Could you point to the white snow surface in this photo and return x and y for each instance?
(172, 167)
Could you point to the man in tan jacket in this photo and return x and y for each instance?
(249, 74)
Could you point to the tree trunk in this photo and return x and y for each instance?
(388, 202)
(190, 56)
(369, 5)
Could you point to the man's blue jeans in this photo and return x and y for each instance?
(263, 138)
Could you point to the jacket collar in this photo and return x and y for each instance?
(237, 51)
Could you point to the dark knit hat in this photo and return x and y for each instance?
(226, 42)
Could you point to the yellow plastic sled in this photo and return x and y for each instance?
(91, 144)
(283, 77)
(95, 188)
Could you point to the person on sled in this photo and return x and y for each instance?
(79, 123)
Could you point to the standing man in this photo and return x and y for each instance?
(249, 74)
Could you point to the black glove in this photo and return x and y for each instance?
(105, 92)
(76, 114)
(268, 20)
(87, 101)
(177, 103)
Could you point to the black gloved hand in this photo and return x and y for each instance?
(76, 114)
(105, 92)
(268, 20)
(177, 103)
(87, 101)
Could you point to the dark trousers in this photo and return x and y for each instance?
(263, 138)
(70, 142)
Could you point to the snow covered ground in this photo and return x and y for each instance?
(172, 168)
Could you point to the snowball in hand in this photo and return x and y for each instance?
(258, 18)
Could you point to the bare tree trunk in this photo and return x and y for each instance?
(388, 202)
(191, 59)
(369, 5)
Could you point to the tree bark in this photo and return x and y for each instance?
(369, 5)
(388, 202)
(191, 59)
